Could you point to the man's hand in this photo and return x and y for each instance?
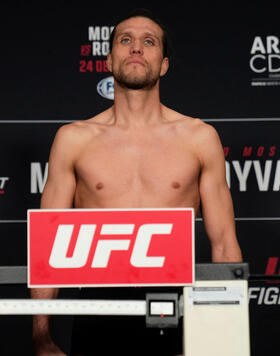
(47, 348)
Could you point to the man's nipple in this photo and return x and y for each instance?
(99, 186)
(176, 185)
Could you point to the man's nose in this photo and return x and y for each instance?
(136, 48)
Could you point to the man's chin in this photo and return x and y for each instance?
(136, 83)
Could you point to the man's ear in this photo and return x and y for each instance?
(164, 66)
(109, 62)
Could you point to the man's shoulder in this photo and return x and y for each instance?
(205, 140)
(69, 133)
(204, 135)
(192, 125)
(203, 130)
(83, 129)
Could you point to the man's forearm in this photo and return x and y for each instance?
(41, 328)
(226, 252)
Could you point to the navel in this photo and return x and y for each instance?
(99, 186)
(176, 185)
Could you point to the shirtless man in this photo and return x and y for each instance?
(139, 154)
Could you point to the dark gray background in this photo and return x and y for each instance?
(42, 88)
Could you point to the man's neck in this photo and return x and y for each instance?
(137, 108)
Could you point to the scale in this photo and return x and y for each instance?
(214, 310)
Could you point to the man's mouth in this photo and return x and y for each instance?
(135, 61)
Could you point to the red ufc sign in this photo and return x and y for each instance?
(120, 247)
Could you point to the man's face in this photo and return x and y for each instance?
(136, 60)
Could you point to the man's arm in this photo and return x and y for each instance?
(58, 194)
(216, 202)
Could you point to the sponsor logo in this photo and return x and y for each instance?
(264, 295)
(266, 174)
(263, 174)
(273, 269)
(94, 49)
(110, 247)
(267, 295)
(105, 88)
(3, 182)
(39, 175)
(104, 248)
(265, 61)
(272, 266)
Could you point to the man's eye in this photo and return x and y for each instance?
(149, 42)
(125, 40)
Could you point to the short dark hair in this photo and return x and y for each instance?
(148, 14)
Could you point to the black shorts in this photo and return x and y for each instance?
(122, 335)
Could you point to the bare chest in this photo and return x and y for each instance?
(115, 168)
